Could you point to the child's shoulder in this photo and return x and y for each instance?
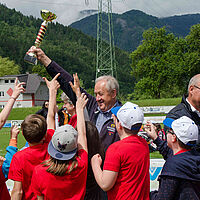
(20, 154)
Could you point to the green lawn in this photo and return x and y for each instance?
(155, 154)
(158, 102)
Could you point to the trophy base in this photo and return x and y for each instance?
(30, 59)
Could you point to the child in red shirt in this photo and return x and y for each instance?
(125, 173)
(34, 130)
(64, 175)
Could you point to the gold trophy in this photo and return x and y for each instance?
(47, 16)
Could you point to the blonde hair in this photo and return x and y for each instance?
(60, 167)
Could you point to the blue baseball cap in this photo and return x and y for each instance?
(168, 122)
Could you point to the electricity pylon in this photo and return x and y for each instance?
(105, 64)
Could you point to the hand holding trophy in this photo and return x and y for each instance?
(47, 16)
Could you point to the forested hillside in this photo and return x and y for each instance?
(129, 26)
(72, 49)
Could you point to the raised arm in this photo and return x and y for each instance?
(6, 111)
(11, 150)
(53, 86)
(53, 68)
(82, 140)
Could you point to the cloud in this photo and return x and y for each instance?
(69, 11)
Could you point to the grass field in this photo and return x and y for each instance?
(158, 102)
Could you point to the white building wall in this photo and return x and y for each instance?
(3, 91)
(24, 100)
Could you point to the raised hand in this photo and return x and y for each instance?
(81, 102)
(41, 56)
(151, 130)
(18, 89)
(14, 132)
(76, 86)
(53, 84)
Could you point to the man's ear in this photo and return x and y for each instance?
(114, 93)
(190, 91)
(174, 138)
(120, 125)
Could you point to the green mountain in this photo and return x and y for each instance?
(72, 49)
(129, 26)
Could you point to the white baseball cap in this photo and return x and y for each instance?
(128, 115)
(63, 145)
(184, 128)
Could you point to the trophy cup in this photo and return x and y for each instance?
(47, 16)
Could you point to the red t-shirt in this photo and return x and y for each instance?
(70, 186)
(23, 163)
(4, 194)
(130, 158)
(73, 121)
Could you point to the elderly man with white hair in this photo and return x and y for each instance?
(99, 108)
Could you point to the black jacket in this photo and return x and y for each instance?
(184, 109)
(180, 176)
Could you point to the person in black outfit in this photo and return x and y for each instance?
(180, 176)
(190, 104)
(43, 112)
(93, 191)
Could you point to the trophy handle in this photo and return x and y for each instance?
(41, 33)
(48, 17)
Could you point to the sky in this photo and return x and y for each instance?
(69, 11)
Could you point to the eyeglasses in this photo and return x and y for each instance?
(168, 131)
(197, 87)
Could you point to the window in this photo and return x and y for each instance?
(6, 81)
(1, 94)
(12, 81)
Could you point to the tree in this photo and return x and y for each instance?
(8, 67)
(192, 56)
(41, 71)
(150, 63)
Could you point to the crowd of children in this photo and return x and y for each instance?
(69, 162)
